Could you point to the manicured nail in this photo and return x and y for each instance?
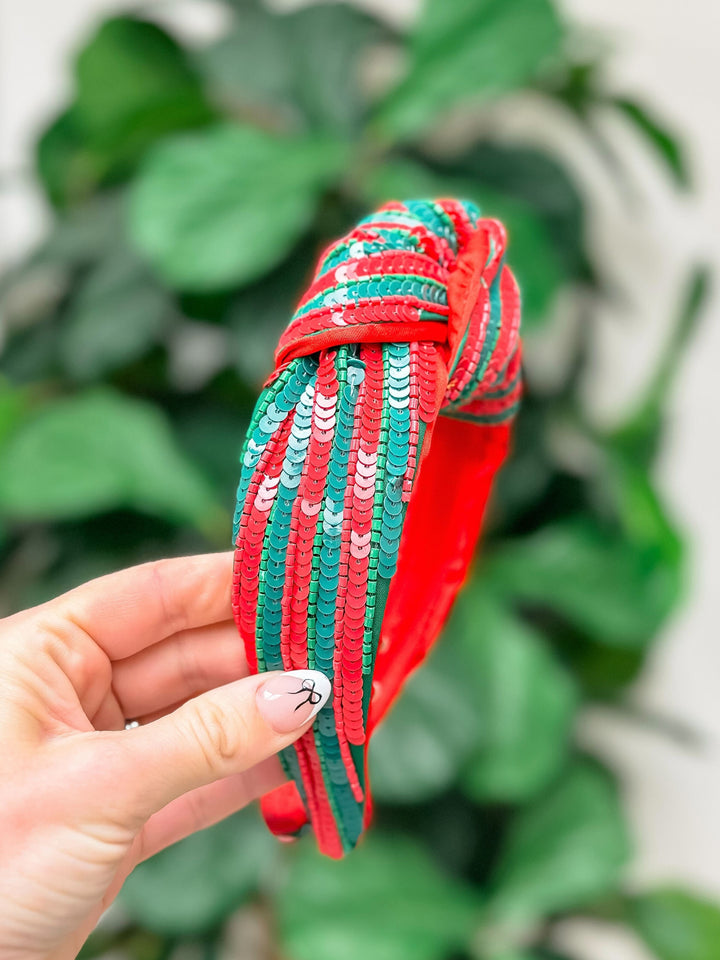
(289, 700)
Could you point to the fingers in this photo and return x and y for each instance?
(127, 611)
(178, 668)
(208, 805)
(220, 733)
(109, 715)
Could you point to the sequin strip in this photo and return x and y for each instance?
(330, 459)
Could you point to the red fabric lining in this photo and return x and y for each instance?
(304, 345)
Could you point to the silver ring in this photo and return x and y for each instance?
(131, 724)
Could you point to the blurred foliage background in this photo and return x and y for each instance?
(193, 187)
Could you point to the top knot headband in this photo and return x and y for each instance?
(365, 473)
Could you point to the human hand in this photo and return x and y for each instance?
(82, 799)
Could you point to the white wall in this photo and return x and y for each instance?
(667, 53)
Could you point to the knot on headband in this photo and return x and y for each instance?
(421, 272)
(358, 506)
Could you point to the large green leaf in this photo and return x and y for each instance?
(640, 509)
(387, 901)
(212, 434)
(616, 590)
(118, 312)
(564, 849)
(677, 925)
(639, 436)
(665, 143)
(13, 403)
(304, 64)
(526, 955)
(134, 84)
(97, 451)
(325, 41)
(581, 86)
(469, 48)
(222, 207)
(529, 472)
(510, 955)
(138, 943)
(192, 886)
(249, 65)
(531, 253)
(259, 313)
(68, 167)
(602, 671)
(34, 294)
(525, 699)
(85, 234)
(430, 732)
(79, 237)
(543, 183)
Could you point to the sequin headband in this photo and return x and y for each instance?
(365, 473)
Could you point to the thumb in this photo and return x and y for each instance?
(225, 731)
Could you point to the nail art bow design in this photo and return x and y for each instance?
(364, 476)
(307, 687)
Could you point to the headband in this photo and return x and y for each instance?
(365, 473)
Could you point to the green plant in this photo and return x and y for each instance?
(192, 190)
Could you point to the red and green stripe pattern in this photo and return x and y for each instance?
(332, 452)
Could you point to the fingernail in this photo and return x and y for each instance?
(289, 700)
